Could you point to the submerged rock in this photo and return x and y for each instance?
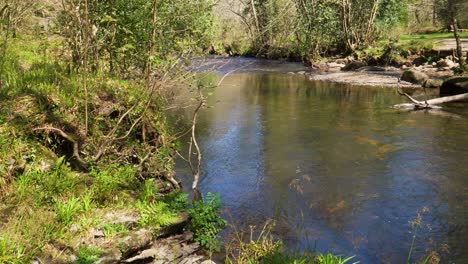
(413, 76)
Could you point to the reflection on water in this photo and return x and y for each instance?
(336, 167)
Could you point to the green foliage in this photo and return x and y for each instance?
(155, 214)
(43, 186)
(262, 248)
(333, 259)
(206, 222)
(391, 14)
(111, 230)
(87, 255)
(67, 210)
(177, 201)
(126, 30)
(108, 182)
(9, 252)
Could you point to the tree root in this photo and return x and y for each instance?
(76, 149)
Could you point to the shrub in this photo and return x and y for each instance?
(206, 222)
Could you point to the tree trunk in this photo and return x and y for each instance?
(370, 24)
(459, 47)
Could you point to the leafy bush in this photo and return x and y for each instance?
(206, 222)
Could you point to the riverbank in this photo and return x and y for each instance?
(377, 75)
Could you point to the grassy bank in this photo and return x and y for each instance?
(56, 193)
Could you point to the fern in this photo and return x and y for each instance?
(155, 214)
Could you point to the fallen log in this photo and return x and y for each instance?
(428, 104)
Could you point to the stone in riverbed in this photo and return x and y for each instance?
(454, 85)
(446, 63)
(354, 65)
(432, 83)
(415, 77)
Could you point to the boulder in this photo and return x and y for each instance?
(445, 63)
(454, 85)
(335, 65)
(432, 83)
(371, 69)
(413, 76)
(354, 65)
(418, 61)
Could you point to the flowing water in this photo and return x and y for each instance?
(335, 166)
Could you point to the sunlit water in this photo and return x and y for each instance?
(335, 166)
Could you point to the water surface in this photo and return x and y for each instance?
(336, 167)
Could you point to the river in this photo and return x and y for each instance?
(334, 166)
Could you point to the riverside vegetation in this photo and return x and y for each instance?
(86, 151)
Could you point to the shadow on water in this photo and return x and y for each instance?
(336, 167)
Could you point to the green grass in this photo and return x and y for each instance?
(432, 36)
(49, 200)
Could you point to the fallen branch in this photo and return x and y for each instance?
(431, 104)
(76, 149)
(428, 104)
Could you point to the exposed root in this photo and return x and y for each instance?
(76, 148)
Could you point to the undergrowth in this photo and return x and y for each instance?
(46, 197)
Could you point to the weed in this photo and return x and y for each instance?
(177, 201)
(329, 258)
(108, 182)
(148, 191)
(264, 249)
(111, 230)
(206, 222)
(66, 211)
(9, 252)
(87, 255)
(415, 226)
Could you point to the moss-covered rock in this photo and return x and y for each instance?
(413, 76)
(432, 83)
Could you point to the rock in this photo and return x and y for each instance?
(134, 241)
(341, 61)
(445, 63)
(419, 61)
(127, 218)
(322, 66)
(145, 254)
(413, 76)
(371, 69)
(208, 262)
(177, 227)
(176, 249)
(432, 83)
(98, 233)
(110, 257)
(454, 85)
(354, 65)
